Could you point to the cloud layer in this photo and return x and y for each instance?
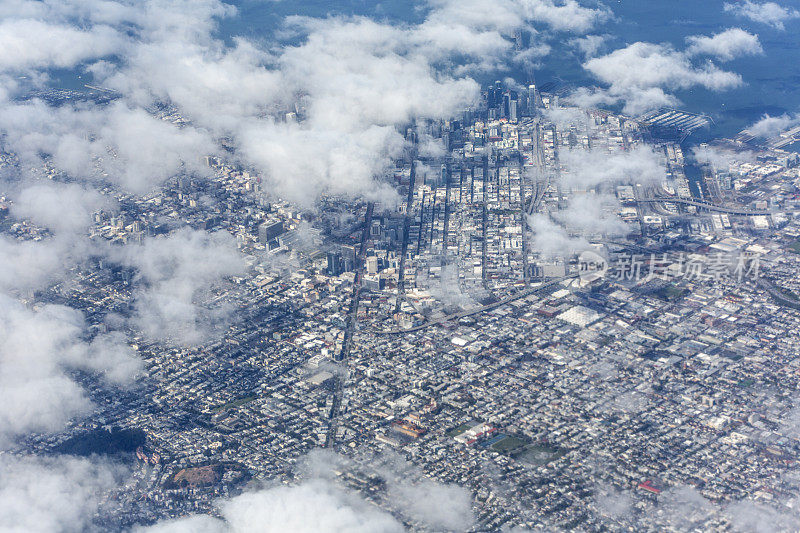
(639, 74)
(769, 13)
(320, 504)
(173, 274)
(52, 494)
(726, 45)
(37, 349)
(770, 126)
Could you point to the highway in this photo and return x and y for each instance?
(706, 205)
(778, 295)
(401, 269)
(347, 342)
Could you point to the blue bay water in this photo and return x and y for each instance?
(771, 81)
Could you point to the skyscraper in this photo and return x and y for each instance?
(532, 99)
(334, 263)
(269, 230)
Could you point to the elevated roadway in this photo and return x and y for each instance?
(701, 204)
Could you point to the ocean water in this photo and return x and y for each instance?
(771, 81)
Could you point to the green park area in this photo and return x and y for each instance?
(669, 293)
(508, 445)
(234, 403)
(460, 429)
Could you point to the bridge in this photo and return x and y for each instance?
(702, 204)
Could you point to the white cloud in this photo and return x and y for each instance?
(639, 73)
(768, 13)
(682, 506)
(589, 45)
(769, 126)
(551, 240)
(80, 13)
(124, 145)
(57, 45)
(355, 81)
(726, 45)
(637, 101)
(592, 214)
(189, 524)
(503, 16)
(348, 76)
(533, 55)
(37, 348)
(315, 506)
(645, 65)
(47, 494)
(590, 168)
(174, 274)
(567, 15)
(752, 517)
(509, 15)
(33, 128)
(110, 355)
(441, 507)
(564, 117)
(303, 162)
(721, 158)
(35, 264)
(613, 503)
(429, 146)
(59, 207)
(212, 85)
(478, 36)
(446, 288)
(360, 73)
(148, 151)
